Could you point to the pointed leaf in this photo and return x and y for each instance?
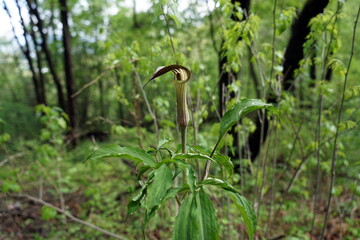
(158, 188)
(245, 208)
(135, 203)
(201, 149)
(226, 162)
(169, 194)
(192, 155)
(190, 177)
(132, 153)
(208, 227)
(246, 211)
(185, 225)
(162, 142)
(239, 110)
(183, 166)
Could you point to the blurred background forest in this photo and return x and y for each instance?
(71, 78)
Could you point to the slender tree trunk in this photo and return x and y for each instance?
(33, 10)
(42, 90)
(68, 68)
(135, 21)
(102, 104)
(25, 51)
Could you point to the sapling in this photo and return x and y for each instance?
(196, 218)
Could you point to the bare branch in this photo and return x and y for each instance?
(75, 219)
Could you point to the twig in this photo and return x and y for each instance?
(208, 162)
(3, 162)
(94, 80)
(333, 162)
(75, 219)
(168, 30)
(152, 113)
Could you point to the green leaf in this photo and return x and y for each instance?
(171, 193)
(226, 162)
(185, 225)
(207, 223)
(190, 177)
(191, 156)
(158, 188)
(239, 110)
(245, 208)
(201, 149)
(186, 167)
(135, 203)
(132, 153)
(162, 142)
(246, 211)
(133, 206)
(10, 186)
(48, 213)
(197, 218)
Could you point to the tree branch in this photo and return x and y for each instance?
(75, 219)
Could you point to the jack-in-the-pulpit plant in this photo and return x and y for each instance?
(196, 217)
(181, 77)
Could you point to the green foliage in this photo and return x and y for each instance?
(239, 110)
(48, 213)
(197, 217)
(127, 152)
(114, 47)
(245, 208)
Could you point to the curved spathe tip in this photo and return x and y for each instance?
(181, 73)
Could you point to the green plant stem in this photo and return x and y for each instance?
(333, 162)
(208, 163)
(183, 130)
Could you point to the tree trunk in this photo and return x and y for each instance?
(293, 55)
(300, 29)
(42, 90)
(68, 69)
(26, 52)
(33, 10)
(227, 77)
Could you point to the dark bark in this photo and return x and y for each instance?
(227, 77)
(101, 99)
(33, 9)
(42, 91)
(300, 29)
(68, 68)
(26, 51)
(135, 21)
(293, 55)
